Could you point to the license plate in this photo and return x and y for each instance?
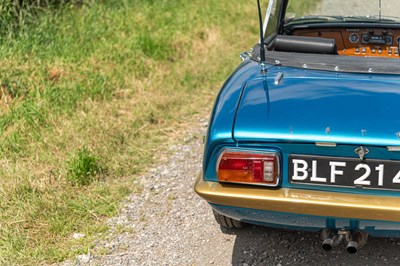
(344, 172)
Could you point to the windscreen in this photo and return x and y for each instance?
(272, 17)
(347, 11)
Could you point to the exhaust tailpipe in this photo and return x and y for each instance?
(329, 238)
(352, 247)
(355, 240)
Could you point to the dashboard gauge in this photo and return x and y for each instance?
(354, 38)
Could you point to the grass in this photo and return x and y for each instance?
(88, 96)
(83, 168)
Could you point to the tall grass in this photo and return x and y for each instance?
(15, 14)
(102, 86)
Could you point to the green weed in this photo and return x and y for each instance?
(84, 168)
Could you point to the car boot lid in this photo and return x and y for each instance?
(295, 105)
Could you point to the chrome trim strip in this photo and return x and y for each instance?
(393, 148)
(326, 144)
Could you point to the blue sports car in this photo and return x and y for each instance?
(305, 134)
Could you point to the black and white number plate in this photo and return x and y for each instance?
(344, 172)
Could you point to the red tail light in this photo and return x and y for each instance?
(249, 168)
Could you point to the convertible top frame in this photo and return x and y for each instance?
(327, 62)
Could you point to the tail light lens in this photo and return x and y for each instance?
(249, 168)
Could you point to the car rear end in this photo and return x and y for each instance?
(314, 151)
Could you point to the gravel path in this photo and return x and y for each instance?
(359, 7)
(167, 224)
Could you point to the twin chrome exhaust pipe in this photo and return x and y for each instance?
(330, 238)
(355, 239)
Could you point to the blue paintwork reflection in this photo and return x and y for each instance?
(306, 103)
(223, 114)
(308, 222)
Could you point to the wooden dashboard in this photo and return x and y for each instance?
(359, 42)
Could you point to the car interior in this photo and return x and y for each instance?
(355, 34)
(371, 42)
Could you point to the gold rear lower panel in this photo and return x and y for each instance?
(300, 201)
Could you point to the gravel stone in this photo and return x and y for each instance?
(78, 236)
(82, 259)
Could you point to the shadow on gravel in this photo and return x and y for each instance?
(256, 245)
